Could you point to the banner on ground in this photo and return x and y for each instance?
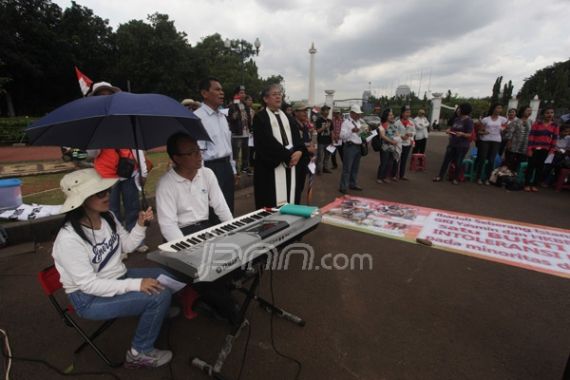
(534, 247)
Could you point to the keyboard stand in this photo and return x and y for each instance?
(250, 295)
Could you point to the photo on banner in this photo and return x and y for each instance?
(539, 248)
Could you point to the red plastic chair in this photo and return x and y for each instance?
(49, 279)
(564, 173)
(418, 162)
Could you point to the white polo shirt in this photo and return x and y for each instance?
(181, 202)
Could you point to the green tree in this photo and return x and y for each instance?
(551, 83)
(212, 58)
(89, 40)
(33, 53)
(507, 93)
(153, 57)
(496, 90)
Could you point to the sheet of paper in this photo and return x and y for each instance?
(312, 167)
(549, 158)
(170, 283)
(331, 149)
(371, 136)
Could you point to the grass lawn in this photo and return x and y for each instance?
(44, 189)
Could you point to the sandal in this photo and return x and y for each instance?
(437, 179)
(534, 189)
(527, 189)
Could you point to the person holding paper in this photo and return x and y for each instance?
(459, 141)
(560, 158)
(279, 151)
(88, 256)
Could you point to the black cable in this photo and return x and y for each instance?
(244, 351)
(49, 365)
(57, 370)
(297, 362)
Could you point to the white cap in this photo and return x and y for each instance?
(356, 109)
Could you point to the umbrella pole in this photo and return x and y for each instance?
(144, 202)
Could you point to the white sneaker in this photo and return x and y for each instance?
(151, 359)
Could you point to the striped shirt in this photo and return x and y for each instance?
(542, 136)
(517, 133)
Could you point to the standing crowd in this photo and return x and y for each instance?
(281, 147)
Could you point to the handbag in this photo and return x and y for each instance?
(364, 149)
(125, 166)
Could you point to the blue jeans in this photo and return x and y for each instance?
(151, 308)
(453, 154)
(128, 190)
(386, 163)
(350, 165)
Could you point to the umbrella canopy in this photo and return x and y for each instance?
(122, 120)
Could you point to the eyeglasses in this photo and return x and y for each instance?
(191, 152)
(103, 193)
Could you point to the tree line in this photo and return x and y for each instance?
(40, 44)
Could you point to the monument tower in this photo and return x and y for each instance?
(312, 52)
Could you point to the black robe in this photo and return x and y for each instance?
(270, 153)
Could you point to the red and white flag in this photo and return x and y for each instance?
(84, 82)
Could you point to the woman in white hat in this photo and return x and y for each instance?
(87, 254)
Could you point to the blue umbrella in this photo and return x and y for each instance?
(122, 120)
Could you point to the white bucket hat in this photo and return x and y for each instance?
(355, 108)
(80, 185)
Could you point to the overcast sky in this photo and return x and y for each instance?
(464, 45)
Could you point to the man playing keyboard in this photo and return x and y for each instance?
(183, 196)
(185, 192)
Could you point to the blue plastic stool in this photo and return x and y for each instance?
(468, 169)
(523, 167)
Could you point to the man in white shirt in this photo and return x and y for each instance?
(185, 193)
(217, 154)
(350, 135)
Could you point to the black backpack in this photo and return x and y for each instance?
(376, 143)
(126, 166)
(511, 183)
